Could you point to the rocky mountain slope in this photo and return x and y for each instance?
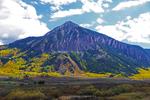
(72, 48)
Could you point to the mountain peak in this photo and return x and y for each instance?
(69, 24)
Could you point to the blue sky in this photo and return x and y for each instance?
(125, 20)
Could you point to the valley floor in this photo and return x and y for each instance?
(50, 88)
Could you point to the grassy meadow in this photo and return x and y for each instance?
(44, 88)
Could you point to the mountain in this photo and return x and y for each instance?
(75, 49)
(148, 51)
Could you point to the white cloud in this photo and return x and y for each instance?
(131, 29)
(112, 31)
(100, 20)
(128, 4)
(106, 3)
(128, 17)
(86, 25)
(69, 12)
(1, 43)
(87, 6)
(110, 1)
(91, 6)
(34, 2)
(19, 20)
(57, 3)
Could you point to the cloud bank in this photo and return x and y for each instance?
(128, 4)
(130, 29)
(19, 20)
(87, 6)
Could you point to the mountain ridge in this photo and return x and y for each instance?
(80, 39)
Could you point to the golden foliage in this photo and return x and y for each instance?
(17, 68)
(36, 63)
(95, 75)
(7, 52)
(143, 74)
